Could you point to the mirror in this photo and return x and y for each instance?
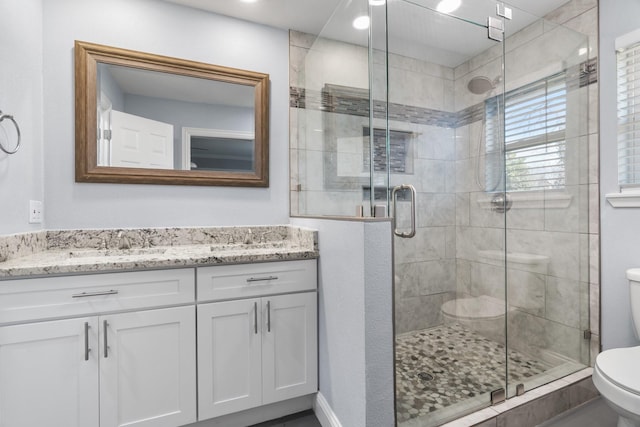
(151, 119)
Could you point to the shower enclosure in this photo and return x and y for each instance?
(469, 128)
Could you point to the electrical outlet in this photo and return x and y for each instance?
(35, 212)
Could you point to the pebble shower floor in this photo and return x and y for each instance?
(439, 367)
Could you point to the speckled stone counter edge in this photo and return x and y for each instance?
(31, 253)
(67, 239)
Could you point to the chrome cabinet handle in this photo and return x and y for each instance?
(394, 194)
(106, 348)
(261, 279)
(86, 341)
(94, 294)
(255, 317)
(268, 316)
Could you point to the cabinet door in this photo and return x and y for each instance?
(49, 374)
(148, 368)
(229, 365)
(289, 347)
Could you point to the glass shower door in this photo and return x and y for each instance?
(444, 100)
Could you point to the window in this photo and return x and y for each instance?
(534, 127)
(628, 68)
(628, 110)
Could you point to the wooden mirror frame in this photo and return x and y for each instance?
(87, 57)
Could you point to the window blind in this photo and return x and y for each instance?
(534, 136)
(628, 69)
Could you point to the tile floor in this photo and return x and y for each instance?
(440, 367)
(301, 419)
(595, 413)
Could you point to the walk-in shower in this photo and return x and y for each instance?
(491, 276)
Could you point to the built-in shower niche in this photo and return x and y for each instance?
(348, 144)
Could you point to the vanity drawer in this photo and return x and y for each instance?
(250, 280)
(54, 297)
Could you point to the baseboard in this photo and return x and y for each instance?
(260, 414)
(324, 413)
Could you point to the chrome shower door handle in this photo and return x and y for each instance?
(394, 199)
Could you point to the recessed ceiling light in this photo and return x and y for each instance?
(361, 22)
(448, 6)
(377, 2)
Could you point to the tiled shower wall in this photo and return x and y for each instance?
(548, 297)
(425, 265)
(425, 109)
(315, 133)
(454, 222)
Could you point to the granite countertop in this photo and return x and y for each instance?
(83, 251)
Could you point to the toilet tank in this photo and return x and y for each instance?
(633, 275)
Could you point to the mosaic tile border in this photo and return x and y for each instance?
(355, 101)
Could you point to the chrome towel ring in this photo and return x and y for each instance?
(2, 147)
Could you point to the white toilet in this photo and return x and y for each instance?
(616, 373)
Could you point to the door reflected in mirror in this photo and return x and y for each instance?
(166, 120)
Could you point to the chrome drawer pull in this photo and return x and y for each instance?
(262, 279)
(94, 294)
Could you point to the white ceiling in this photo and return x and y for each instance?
(302, 15)
(414, 29)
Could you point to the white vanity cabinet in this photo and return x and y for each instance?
(147, 368)
(44, 376)
(98, 350)
(257, 338)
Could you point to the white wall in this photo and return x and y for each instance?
(21, 96)
(341, 338)
(166, 29)
(620, 228)
(355, 334)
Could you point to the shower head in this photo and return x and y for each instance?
(480, 84)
